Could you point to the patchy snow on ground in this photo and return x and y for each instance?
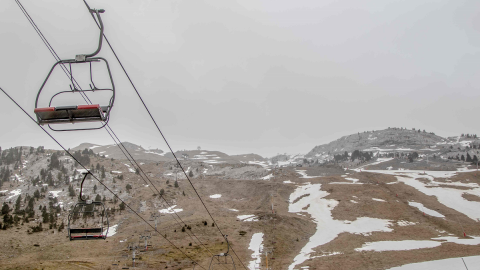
(261, 163)
(15, 193)
(288, 182)
(18, 178)
(354, 181)
(450, 197)
(445, 264)
(398, 245)
(461, 241)
(55, 193)
(378, 200)
(116, 172)
(304, 174)
(215, 196)
(378, 161)
(81, 170)
(126, 165)
(211, 161)
(131, 170)
(327, 228)
(170, 210)
(234, 210)
(352, 201)
(160, 154)
(268, 177)
(351, 179)
(256, 246)
(405, 223)
(247, 218)
(425, 210)
(111, 230)
(4, 191)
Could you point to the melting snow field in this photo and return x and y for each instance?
(256, 246)
(55, 193)
(426, 210)
(111, 230)
(288, 182)
(398, 245)
(354, 181)
(450, 197)
(446, 264)
(327, 228)
(267, 177)
(170, 210)
(304, 174)
(247, 218)
(215, 196)
(15, 192)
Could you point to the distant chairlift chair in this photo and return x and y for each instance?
(78, 113)
(86, 209)
(223, 260)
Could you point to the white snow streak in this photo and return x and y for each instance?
(327, 228)
(256, 246)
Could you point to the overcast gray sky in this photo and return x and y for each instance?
(254, 76)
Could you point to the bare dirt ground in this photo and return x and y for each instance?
(286, 232)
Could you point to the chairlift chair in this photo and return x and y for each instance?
(78, 113)
(85, 209)
(222, 259)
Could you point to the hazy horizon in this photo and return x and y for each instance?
(262, 77)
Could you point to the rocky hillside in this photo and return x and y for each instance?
(113, 151)
(141, 154)
(391, 140)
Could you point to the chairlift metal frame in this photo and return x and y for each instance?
(81, 113)
(224, 255)
(81, 207)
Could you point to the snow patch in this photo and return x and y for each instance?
(425, 210)
(111, 230)
(398, 245)
(405, 223)
(327, 228)
(268, 177)
(55, 193)
(247, 218)
(304, 174)
(256, 246)
(215, 196)
(15, 192)
(445, 264)
(170, 210)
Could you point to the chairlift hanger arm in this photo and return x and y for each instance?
(81, 186)
(100, 39)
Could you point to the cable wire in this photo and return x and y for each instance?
(161, 133)
(159, 130)
(88, 101)
(76, 160)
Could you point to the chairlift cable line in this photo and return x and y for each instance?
(85, 97)
(169, 205)
(50, 48)
(159, 130)
(31, 118)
